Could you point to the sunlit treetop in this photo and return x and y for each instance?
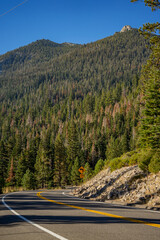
(154, 4)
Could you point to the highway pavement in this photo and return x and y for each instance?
(44, 215)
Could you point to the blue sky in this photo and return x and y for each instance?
(77, 21)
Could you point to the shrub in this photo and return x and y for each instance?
(99, 166)
(134, 159)
(124, 162)
(106, 163)
(154, 165)
(144, 159)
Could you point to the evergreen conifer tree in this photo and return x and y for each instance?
(43, 168)
(73, 148)
(150, 84)
(99, 166)
(75, 175)
(60, 164)
(21, 169)
(28, 181)
(88, 172)
(11, 173)
(3, 164)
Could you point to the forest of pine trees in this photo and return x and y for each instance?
(73, 106)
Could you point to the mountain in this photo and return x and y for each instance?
(79, 100)
(94, 66)
(39, 51)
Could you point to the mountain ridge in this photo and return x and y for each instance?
(53, 44)
(112, 49)
(46, 48)
(83, 98)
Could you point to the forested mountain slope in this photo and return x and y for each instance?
(90, 67)
(64, 105)
(39, 51)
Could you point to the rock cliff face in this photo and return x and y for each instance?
(128, 185)
(126, 28)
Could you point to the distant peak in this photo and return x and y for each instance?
(126, 28)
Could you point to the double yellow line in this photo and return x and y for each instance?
(101, 213)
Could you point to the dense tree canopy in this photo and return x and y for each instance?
(65, 106)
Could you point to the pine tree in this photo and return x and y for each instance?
(3, 164)
(150, 85)
(73, 148)
(75, 175)
(43, 168)
(60, 164)
(125, 141)
(30, 153)
(11, 176)
(21, 169)
(150, 122)
(113, 148)
(28, 181)
(154, 4)
(88, 172)
(99, 166)
(18, 146)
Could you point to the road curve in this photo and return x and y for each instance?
(57, 215)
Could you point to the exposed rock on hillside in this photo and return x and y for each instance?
(128, 185)
(126, 28)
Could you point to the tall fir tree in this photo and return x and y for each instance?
(88, 172)
(75, 175)
(28, 180)
(150, 84)
(73, 148)
(43, 168)
(21, 169)
(60, 164)
(11, 173)
(150, 120)
(3, 165)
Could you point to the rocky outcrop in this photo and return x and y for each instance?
(128, 185)
(126, 28)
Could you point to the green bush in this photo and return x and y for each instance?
(134, 159)
(117, 163)
(99, 166)
(123, 163)
(154, 165)
(106, 163)
(144, 159)
(114, 163)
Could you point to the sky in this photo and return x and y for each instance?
(75, 21)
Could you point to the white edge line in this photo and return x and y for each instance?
(32, 223)
(116, 205)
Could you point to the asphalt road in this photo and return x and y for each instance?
(26, 215)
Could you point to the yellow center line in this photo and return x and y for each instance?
(101, 213)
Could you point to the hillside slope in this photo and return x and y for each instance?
(128, 185)
(83, 98)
